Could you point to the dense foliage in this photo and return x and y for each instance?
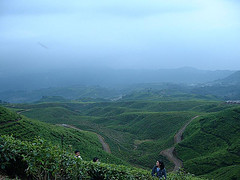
(70, 139)
(211, 145)
(8, 116)
(137, 131)
(42, 160)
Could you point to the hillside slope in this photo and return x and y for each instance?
(43, 159)
(136, 131)
(226, 89)
(233, 79)
(70, 139)
(211, 145)
(40, 159)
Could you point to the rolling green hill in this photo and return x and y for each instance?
(70, 139)
(53, 158)
(226, 89)
(211, 145)
(137, 131)
(232, 79)
(40, 159)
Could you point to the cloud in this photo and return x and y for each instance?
(133, 33)
(132, 8)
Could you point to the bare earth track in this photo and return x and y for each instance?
(169, 153)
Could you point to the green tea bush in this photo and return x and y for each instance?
(40, 159)
(47, 161)
(211, 143)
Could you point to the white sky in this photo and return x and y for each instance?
(138, 34)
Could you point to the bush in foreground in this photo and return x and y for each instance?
(42, 160)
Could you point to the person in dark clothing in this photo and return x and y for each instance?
(96, 175)
(96, 159)
(77, 154)
(159, 170)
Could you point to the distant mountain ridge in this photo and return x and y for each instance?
(58, 94)
(233, 79)
(106, 77)
(227, 88)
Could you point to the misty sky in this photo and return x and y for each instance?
(144, 34)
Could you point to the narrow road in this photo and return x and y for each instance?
(169, 153)
(24, 110)
(105, 146)
(178, 137)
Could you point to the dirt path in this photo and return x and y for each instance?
(105, 146)
(169, 153)
(21, 111)
(178, 136)
(69, 126)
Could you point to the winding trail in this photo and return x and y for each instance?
(24, 110)
(170, 152)
(105, 146)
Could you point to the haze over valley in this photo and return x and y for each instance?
(127, 82)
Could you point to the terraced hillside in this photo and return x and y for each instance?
(39, 159)
(135, 131)
(211, 145)
(24, 128)
(50, 158)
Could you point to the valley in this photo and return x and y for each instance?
(180, 128)
(170, 154)
(120, 90)
(137, 132)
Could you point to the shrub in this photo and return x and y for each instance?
(46, 161)
(40, 159)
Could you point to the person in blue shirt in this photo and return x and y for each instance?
(159, 170)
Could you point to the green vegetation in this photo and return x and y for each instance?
(7, 116)
(27, 129)
(42, 160)
(136, 131)
(166, 95)
(211, 145)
